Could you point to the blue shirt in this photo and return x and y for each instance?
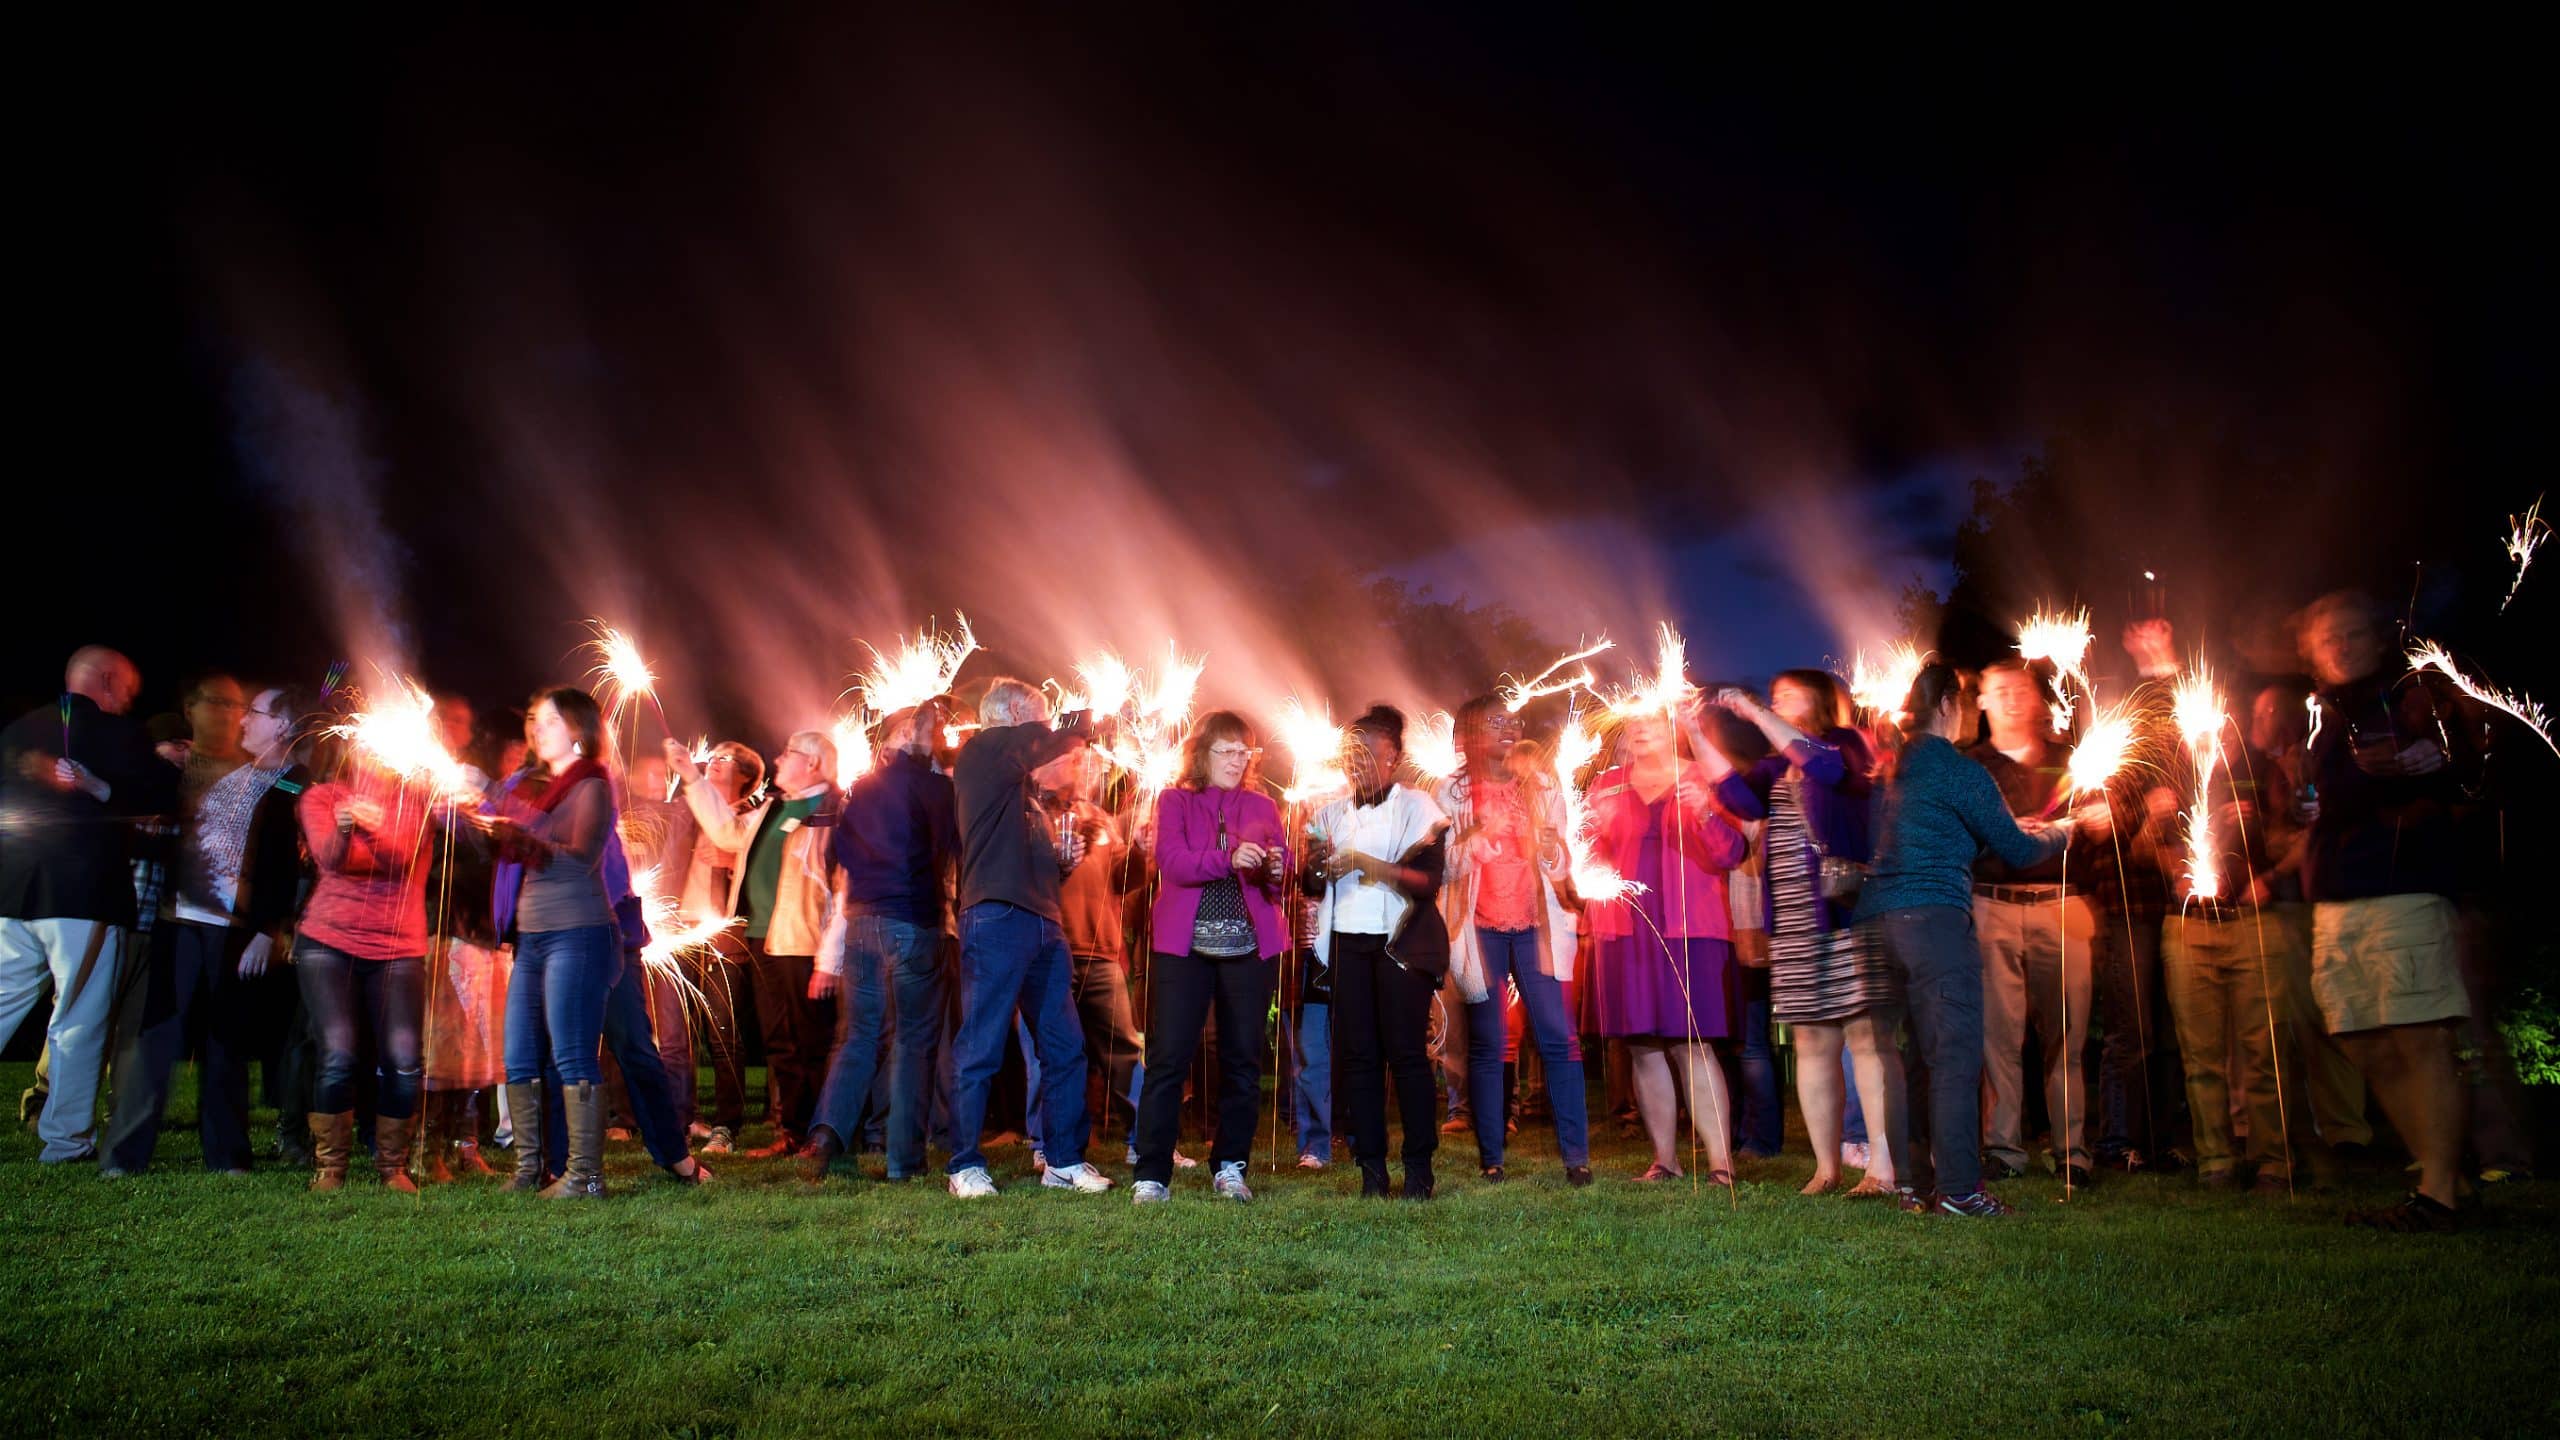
(899, 829)
(1933, 817)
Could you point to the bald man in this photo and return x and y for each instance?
(66, 885)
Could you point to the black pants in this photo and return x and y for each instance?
(798, 1032)
(1381, 1027)
(190, 999)
(1941, 963)
(1111, 1044)
(1184, 988)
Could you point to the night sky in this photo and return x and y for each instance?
(763, 334)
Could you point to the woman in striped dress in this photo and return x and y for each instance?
(1830, 984)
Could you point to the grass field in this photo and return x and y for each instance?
(182, 1303)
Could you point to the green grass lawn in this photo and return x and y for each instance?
(186, 1303)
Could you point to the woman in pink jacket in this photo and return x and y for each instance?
(1664, 977)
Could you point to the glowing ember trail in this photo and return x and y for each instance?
(1668, 689)
(2524, 709)
(2103, 750)
(1315, 745)
(1881, 688)
(2061, 638)
(402, 735)
(621, 672)
(669, 937)
(1432, 747)
(853, 749)
(2198, 712)
(1169, 699)
(1593, 879)
(2524, 536)
(1516, 694)
(923, 667)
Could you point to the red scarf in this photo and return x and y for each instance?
(561, 784)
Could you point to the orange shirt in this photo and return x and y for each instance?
(1506, 859)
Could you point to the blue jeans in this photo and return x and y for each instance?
(1853, 1116)
(1509, 956)
(627, 1032)
(887, 956)
(365, 1013)
(1012, 959)
(555, 1002)
(1313, 1041)
(1760, 1125)
(1941, 963)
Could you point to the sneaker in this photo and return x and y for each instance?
(1980, 1205)
(720, 1142)
(818, 1156)
(1310, 1161)
(1456, 1125)
(1995, 1168)
(1131, 1157)
(1083, 1179)
(2078, 1177)
(1913, 1202)
(617, 1134)
(1228, 1183)
(972, 1184)
(1856, 1157)
(1149, 1192)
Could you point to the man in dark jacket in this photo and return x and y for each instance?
(72, 777)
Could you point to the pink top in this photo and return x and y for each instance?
(1698, 852)
(370, 900)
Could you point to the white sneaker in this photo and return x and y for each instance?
(972, 1184)
(1310, 1161)
(1229, 1184)
(1149, 1192)
(1081, 1178)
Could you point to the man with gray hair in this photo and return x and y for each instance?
(71, 776)
(1013, 942)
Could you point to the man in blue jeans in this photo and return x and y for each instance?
(896, 840)
(1013, 943)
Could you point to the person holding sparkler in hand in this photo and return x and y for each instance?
(1935, 811)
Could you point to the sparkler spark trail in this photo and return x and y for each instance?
(401, 734)
(2062, 638)
(1593, 878)
(669, 937)
(853, 749)
(1882, 687)
(1431, 747)
(621, 672)
(2312, 704)
(2198, 712)
(2524, 536)
(1169, 699)
(1315, 745)
(2103, 750)
(1669, 686)
(2524, 709)
(923, 668)
(1518, 693)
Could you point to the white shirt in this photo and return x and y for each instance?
(1362, 906)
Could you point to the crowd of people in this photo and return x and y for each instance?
(994, 928)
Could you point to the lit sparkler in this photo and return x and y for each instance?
(2103, 750)
(853, 749)
(2311, 741)
(1883, 687)
(1431, 747)
(1169, 699)
(670, 938)
(1593, 878)
(622, 673)
(2061, 638)
(2524, 536)
(2198, 712)
(1315, 745)
(1669, 687)
(922, 668)
(1516, 694)
(2524, 709)
(401, 734)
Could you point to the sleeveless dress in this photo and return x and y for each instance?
(1816, 977)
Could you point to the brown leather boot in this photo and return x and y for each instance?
(466, 1136)
(333, 1137)
(582, 1105)
(391, 1152)
(524, 1112)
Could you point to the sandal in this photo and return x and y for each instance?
(1655, 1174)
(1820, 1185)
(1869, 1188)
(1720, 1177)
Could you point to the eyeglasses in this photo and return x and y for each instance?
(1230, 752)
(267, 714)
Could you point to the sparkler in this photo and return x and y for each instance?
(853, 749)
(1593, 878)
(922, 668)
(670, 938)
(1667, 689)
(1884, 686)
(621, 671)
(2524, 709)
(1315, 745)
(2198, 712)
(2524, 536)
(1169, 699)
(1516, 694)
(2103, 750)
(1432, 747)
(2062, 638)
(2312, 704)
(401, 734)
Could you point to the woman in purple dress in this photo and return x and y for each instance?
(1665, 979)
